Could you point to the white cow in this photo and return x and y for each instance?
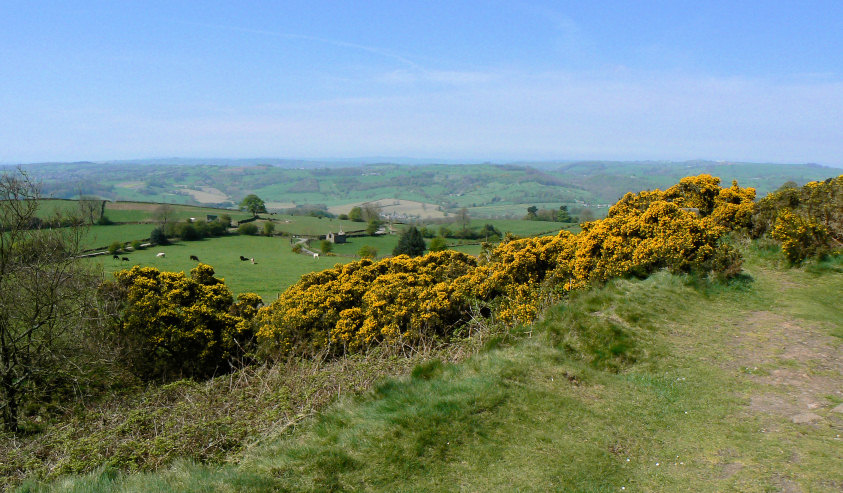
(315, 256)
(161, 255)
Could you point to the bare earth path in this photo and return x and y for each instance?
(784, 358)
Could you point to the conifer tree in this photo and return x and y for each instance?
(411, 243)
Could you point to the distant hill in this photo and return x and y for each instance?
(610, 180)
(485, 189)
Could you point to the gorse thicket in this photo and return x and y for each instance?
(353, 306)
(808, 221)
(403, 299)
(174, 326)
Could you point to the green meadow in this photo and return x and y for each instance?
(276, 267)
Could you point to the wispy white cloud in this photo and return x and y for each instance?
(381, 52)
(446, 77)
(611, 114)
(568, 37)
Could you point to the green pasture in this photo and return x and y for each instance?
(138, 212)
(276, 267)
(516, 211)
(384, 245)
(127, 216)
(135, 211)
(472, 249)
(48, 208)
(131, 194)
(103, 236)
(311, 226)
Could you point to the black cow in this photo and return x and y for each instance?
(243, 258)
(115, 257)
(194, 257)
(125, 259)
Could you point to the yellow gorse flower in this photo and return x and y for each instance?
(352, 306)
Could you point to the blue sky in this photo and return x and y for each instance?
(491, 80)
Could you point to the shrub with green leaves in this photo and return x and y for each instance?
(367, 251)
(104, 221)
(268, 228)
(437, 244)
(157, 237)
(115, 247)
(411, 243)
(247, 229)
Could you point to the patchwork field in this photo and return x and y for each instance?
(487, 190)
(207, 195)
(396, 207)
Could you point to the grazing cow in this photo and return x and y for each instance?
(243, 258)
(194, 257)
(115, 257)
(161, 255)
(315, 256)
(125, 259)
(253, 261)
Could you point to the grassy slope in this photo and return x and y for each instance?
(134, 211)
(546, 413)
(141, 211)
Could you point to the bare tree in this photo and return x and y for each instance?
(463, 217)
(163, 214)
(92, 208)
(43, 295)
(370, 212)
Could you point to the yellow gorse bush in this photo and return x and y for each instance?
(800, 237)
(355, 305)
(194, 322)
(173, 325)
(808, 220)
(402, 299)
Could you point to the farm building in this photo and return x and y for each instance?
(336, 238)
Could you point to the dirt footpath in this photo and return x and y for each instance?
(792, 369)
